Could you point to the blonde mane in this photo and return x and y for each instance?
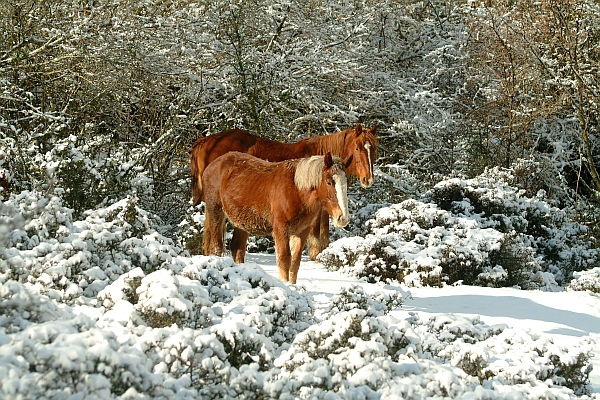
(309, 171)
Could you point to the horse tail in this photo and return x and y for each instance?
(197, 166)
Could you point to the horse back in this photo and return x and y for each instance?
(209, 148)
(274, 151)
(250, 190)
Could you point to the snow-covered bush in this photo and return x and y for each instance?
(348, 351)
(85, 173)
(51, 351)
(482, 351)
(560, 244)
(62, 257)
(5, 176)
(479, 231)
(352, 355)
(205, 327)
(416, 243)
(190, 230)
(355, 297)
(586, 280)
(21, 307)
(158, 328)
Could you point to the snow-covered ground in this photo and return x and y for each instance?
(106, 307)
(566, 317)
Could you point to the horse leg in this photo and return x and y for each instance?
(238, 245)
(314, 239)
(207, 237)
(284, 257)
(296, 244)
(214, 228)
(318, 237)
(324, 238)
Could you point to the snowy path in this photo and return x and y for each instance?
(566, 316)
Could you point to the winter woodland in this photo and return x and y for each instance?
(487, 178)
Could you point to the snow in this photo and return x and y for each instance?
(107, 307)
(564, 317)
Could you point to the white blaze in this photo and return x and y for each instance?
(368, 147)
(341, 190)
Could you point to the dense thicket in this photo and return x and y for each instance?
(99, 99)
(487, 175)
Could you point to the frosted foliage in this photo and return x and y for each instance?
(586, 280)
(135, 317)
(66, 258)
(479, 231)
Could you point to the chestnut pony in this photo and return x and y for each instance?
(358, 142)
(284, 199)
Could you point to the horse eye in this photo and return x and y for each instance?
(329, 183)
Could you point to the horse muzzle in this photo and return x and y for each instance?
(367, 183)
(340, 221)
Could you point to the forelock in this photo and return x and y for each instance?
(368, 137)
(309, 171)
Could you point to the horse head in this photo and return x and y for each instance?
(362, 145)
(333, 191)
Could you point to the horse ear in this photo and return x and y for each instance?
(348, 161)
(374, 130)
(328, 160)
(358, 129)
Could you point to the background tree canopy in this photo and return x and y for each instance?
(100, 99)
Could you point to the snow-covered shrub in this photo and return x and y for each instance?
(586, 280)
(510, 264)
(189, 360)
(341, 254)
(417, 243)
(349, 349)
(21, 307)
(479, 231)
(245, 345)
(50, 352)
(209, 318)
(451, 328)
(164, 299)
(352, 355)
(191, 229)
(46, 248)
(107, 348)
(482, 351)
(355, 297)
(570, 369)
(561, 244)
(86, 173)
(5, 176)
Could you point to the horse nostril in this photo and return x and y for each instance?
(341, 221)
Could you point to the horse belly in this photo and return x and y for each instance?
(250, 223)
(249, 212)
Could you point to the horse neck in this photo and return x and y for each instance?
(295, 150)
(310, 200)
(304, 183)
(334, 144)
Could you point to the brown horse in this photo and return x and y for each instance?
(283, 199)
(361, 144)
